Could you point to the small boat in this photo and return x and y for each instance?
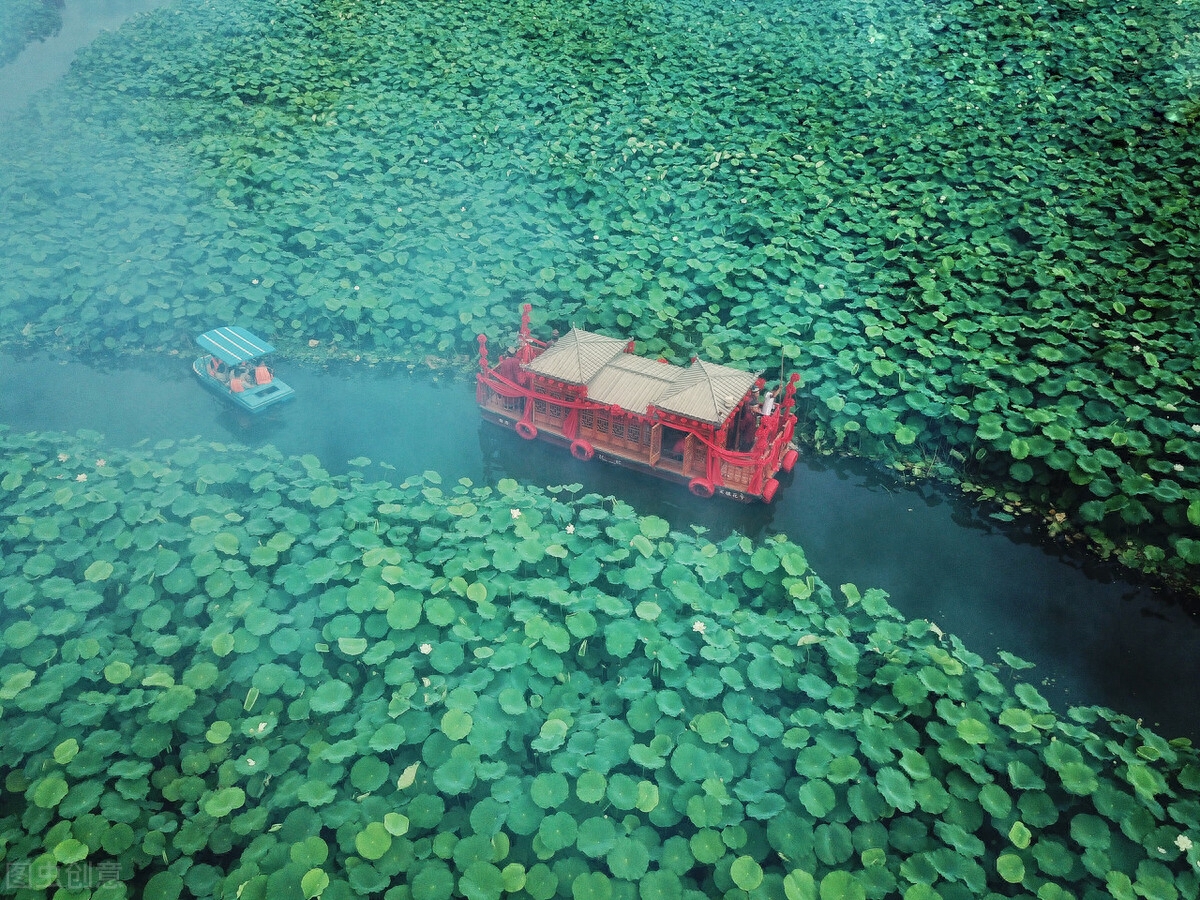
(717, 429)
(235, 368)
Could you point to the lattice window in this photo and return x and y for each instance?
(556, 410)
(540, 406)
(587, 419)
(602, 424)
(635, 432)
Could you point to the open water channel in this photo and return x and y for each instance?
(1096, 639)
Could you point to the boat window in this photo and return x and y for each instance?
(539, 406)
(587, 419)
(673, 441)
(556, 410)
(635, 432)
(602, 424)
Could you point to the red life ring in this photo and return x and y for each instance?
(701, 487)
(769, 490)
(789, 460)
(582, 450)
(526, 430)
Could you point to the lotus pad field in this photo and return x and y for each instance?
(24, 21)
(228, 674)
(973, 226)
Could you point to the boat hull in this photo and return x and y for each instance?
(606, 455)
(254, 399)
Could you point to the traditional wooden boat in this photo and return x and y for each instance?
(235, 368)
(716, 429)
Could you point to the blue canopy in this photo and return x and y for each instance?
(233, 345)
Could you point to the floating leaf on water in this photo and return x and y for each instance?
(456, 724)
(49, 790)
(117, 672)
(368, 773)
(628, 859)
(163, 886)
(373, 841)
(100, 570)
(352, 646)
(330, 696)
(713, 727)
(223, 801)
(549, 789)
(66, 751)
(315, 793)
(1010, 867)
(313, 883)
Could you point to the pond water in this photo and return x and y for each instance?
(41, 63)
(1095, 638)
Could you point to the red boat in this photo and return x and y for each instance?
(716, 429)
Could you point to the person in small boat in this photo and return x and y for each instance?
(240, 379)
(218, 369)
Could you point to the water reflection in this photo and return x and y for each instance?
(1095, 637)
(42, 63)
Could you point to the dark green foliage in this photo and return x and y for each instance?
(519, 730)
(972, 226)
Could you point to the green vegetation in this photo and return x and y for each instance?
(24, 21)
(973, 226)
(232, 686)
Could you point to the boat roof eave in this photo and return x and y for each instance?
(232, 344)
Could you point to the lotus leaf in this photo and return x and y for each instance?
(396, 824)
(70, 851)
(713, 727)
(705, 811)
(455, 776)
(842, 885)
(973, 731)
(1010, 867)
(895, 788)
(628, 859)
(163, 886)
(549, 789)
(100, 570)
(373, 841)
(331, 696)
(368, 773)
(315, 793)
(313, 883)
(746, 873)
(223, 801)
(764, 674)
(817, 797)
(48, 791)
(223, 644)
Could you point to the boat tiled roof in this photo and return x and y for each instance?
(704, 391)
(632, 382)
(577, 356)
